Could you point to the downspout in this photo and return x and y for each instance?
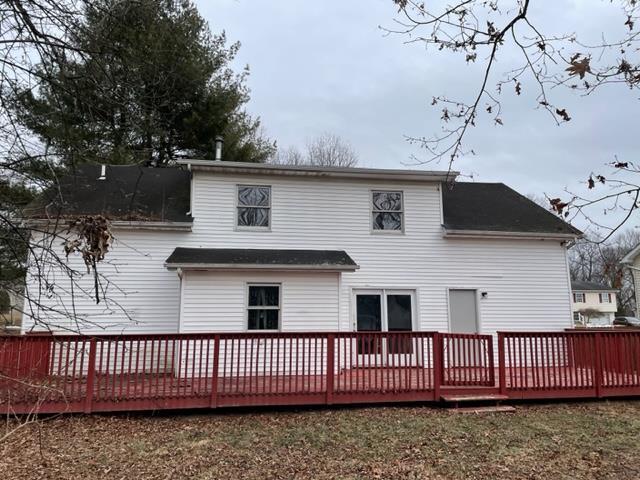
(181, 276)
(566, 246)
(190, 190)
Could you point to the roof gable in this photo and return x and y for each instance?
(630, 257)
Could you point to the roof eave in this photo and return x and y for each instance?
(582, 290)
(323, 172)
(630, 257)
(172, 226)
(465, 233)
(116, 224)
(246, 266)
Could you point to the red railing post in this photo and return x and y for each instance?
(213, 403)
(492, 365)
(91, 372)
(597, 364)
(502, 365)
(438, 365)
(330, 367)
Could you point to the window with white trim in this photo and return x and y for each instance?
(578, 297)
(387, 211)
(254, 206)
(605, 298)
(263, 307)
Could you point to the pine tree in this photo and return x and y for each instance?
(150, 84)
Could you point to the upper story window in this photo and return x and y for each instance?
(605, 298)
(387, 211)
(578, 297)
(254, 206)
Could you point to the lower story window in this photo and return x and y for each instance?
(263, 307)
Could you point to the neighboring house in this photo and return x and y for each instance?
(224, 246)
(632, 262)
(593, 304)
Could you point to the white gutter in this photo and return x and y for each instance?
(325, 172)
(247, 266)
(177, 226)
(454, 233)
(61, 223)
(607, 290)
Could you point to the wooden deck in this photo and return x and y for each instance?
(81, 374)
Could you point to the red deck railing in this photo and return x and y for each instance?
(569, 364)
(143, 372)
(467, 359)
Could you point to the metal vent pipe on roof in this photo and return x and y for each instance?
(103, 172)
(218, 145)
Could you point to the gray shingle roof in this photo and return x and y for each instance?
(580, 286)
(247, 258)
(131, 193)
(496, 207)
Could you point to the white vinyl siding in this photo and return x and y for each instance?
(138, 294)
(216, 300)
(526, 281)
(636, 281)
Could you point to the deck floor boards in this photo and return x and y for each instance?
(380, 381)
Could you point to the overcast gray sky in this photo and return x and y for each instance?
(325, 66)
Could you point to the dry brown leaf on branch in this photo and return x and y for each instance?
(91, 239)
(579, 67)
(557, 205)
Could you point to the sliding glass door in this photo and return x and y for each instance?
(384, 311)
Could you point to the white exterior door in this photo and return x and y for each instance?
(384, 311)
(463, 311)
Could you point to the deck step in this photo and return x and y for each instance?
(474, 397)
(479, 410)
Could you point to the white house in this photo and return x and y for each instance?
(223, 246)
(632, 262)
(593, 304)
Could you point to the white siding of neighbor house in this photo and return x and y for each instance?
(592, 302)
(526, 281)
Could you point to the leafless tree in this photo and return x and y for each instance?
(479, 31)
(34, 38)
(327, 150)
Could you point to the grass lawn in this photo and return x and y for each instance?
(582, 440)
